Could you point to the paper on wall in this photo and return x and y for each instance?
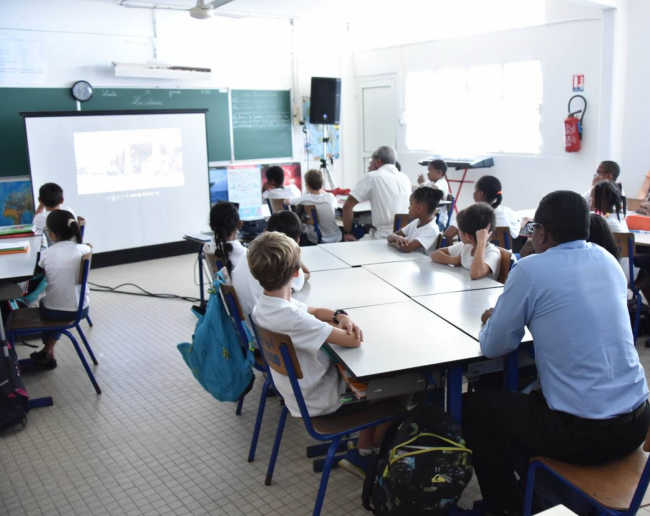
(22, 61)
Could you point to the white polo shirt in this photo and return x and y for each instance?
(62, 265)
(41, 218)
(492, 256)
(325, 204)
(321, 384)
(388, 191)
(427, 235)
(286, 192)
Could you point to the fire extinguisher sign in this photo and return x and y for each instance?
(578, 83)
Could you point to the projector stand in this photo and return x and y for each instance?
(324, 168)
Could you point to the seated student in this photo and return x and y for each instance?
(61, 263)
(607, 201)
(474, 251)
(274, 188)
(593, 406)
(600, 234)
(488, 189)
(421, 234)
(436, 172)
(50, 198)
(288, 223)
(274, 260)
(606, 171)
(325, 204)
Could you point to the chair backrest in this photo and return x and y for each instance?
(215, 262)
(625, 244)
(633, 204)
(506, 262)
(501, 237)
(233, 306)
(439, 241)
(310, 217)
(84, 270)
(400, 221)
(82, 226)
(276, 205)
(271, 345)
(450, 211)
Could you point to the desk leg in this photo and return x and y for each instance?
(511, 371)
(455, 392)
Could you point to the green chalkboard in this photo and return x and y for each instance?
(14, 160)
(261, 124)
(215, 101)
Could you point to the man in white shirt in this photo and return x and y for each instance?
(388, 191)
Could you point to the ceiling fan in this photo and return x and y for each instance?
(201, 11)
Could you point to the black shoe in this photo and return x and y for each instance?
(38, 355)
(43, 360)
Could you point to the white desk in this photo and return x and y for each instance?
(421, 278)
(369, 252)
(464, 309)
(558, 510)
(360, 207)
(642, 239)
(317, 259)
(403, 336)
(347, 288)
(528, 214)
(15, 268)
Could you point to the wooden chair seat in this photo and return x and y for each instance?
(332, 424)
(612, 484)
(31, 319)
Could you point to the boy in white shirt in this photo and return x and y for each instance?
(274, 188)
(288, 223)
(274, 260)
(50, 198)
(421, 234)
(436, 173)
(325, 204)
(474, 251)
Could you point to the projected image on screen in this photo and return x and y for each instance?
(116, 161)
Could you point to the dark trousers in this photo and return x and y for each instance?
(506, 429)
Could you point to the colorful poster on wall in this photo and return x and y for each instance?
(16, 202)
(316, 133)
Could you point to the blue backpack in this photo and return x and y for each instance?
(216, 357)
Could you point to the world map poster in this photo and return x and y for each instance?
(16, 202)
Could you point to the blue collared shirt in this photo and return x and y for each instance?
(573, 298)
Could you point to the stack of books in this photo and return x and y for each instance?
(19, 231)
(14, 247)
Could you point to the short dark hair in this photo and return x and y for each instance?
(51, 195)
(608, 198)
(429, 196)
(314, 179)
(601, 234)
(491, 187)
(275, 174)
(565, 215)
(477, 216)
(612, 168)
(63, 224)
(286, 222)
(438, 164)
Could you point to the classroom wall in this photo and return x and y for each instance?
(82, 38)
(565, 48)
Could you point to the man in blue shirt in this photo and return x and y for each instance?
(592, 408)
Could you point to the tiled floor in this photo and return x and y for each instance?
(154, 442)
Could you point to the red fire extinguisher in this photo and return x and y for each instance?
(573, 127)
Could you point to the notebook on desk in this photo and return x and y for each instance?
(21, 246)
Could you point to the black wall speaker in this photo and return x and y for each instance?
(325, 101)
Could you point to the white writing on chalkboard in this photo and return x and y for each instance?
(260, 121)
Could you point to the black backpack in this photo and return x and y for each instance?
(14, 402)
(422, 468)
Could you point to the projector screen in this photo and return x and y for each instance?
(138, 179)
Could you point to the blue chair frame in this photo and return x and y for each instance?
(286, 361)
(11, 333)
(82, 228)
(234, 308)
(314, 221)
(450, 212)
(636, 292)
(637, 499)
(397, 222)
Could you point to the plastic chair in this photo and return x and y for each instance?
(451, 198)
(280, 355)
(276, 205)
(401, 220)
(215, 262)
(501, 237)
(234, 309)
(617, 488)
(625, 244)
(506, 265)
(28, 321)
(310, 218)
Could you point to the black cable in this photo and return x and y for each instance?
(104, 288)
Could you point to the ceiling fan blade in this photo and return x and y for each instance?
(216, 3)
